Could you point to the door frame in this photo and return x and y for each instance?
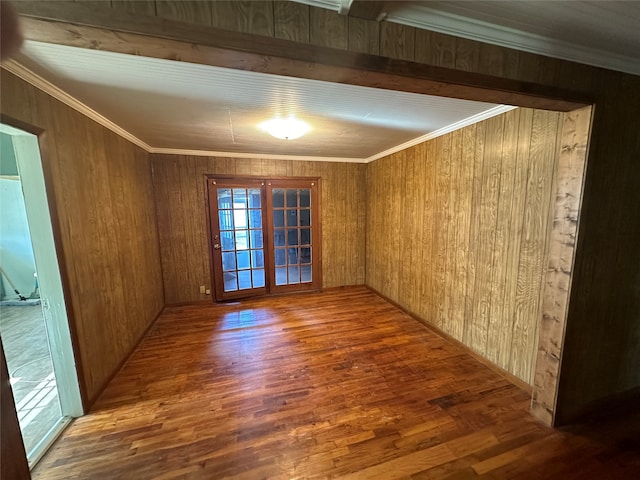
(214, 227)
(316, 283)
(316, 233)
(52, 279)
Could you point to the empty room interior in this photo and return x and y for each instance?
(433, 273)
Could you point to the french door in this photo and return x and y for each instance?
(264, 235)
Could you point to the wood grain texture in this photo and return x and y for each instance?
(180, 198)
(188, 11)
(102, 188)
(334, 385)
(326, 29)
(291, 21)
(568, 190)
(603, 300)
(397, 41)
(244, 16)
(170, 39)
(461, 201)
(364, 36)
(141, 7)
(435, 48)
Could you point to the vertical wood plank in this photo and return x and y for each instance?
(291, 21)
(456, 272)
(397, 41)
(457, 263)
(441, 230)
(188, 11)
(487, 216)
(506, 233)
(327, 29)
(491, 60)
(88, 172)
(467, 55)
(244, 16)
(435, 48)
(141, 7)
(516, 214)
(364, 36)
(183, 236)
(534, 235)
(568, 190)
(429, 231)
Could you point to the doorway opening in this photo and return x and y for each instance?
(264, 235)
(33, 320)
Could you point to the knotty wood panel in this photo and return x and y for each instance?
(103, 194)
(180, 198)
(569, 180)
(475, 203)
(364, 36)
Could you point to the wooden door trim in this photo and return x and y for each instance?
(45, 157)
(316, 232)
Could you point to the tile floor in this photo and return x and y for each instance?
(24, 339)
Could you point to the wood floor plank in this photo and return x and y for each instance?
(339, 384)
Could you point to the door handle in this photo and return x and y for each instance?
(216, 246)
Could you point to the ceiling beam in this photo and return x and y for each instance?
(95, 27)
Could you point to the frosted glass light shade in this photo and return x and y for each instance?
(288, 128)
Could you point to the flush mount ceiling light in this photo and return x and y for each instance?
(288, 128)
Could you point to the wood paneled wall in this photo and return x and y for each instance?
(457, 230)
(182, 219)
(103, 194)
(601, 347)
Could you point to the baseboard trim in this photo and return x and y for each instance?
(487, 363)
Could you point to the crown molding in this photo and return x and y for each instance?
(492, 112)
(37, 81)
(427, 18)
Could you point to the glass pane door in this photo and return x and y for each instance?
(292, 235)
(265, 236)
(238, 243)
(294, 214)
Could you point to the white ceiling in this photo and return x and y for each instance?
(604, 33)
(179, 106)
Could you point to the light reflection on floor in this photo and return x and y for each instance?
(26, 348)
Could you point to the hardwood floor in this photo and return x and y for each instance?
(336, 384)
